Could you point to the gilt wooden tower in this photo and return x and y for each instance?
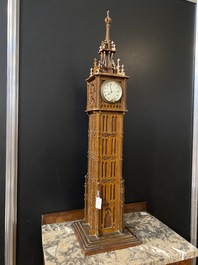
(104, 184)
(106, 105)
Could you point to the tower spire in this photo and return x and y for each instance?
(108, 20)
(107, 49)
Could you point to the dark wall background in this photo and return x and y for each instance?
(3, 49)
(59, 40)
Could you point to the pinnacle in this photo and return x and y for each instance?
(107, 49)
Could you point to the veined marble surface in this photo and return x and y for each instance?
(160, 245)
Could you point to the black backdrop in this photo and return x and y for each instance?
(58, 41)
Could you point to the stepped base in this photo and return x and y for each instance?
(112, 241)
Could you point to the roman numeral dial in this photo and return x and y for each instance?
(111, 91)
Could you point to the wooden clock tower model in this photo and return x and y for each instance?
(103, 226)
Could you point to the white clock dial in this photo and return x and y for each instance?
(111, 91)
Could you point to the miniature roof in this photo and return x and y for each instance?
(107, 49)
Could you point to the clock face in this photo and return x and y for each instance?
(111, 91)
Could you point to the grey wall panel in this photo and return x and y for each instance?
(3, 37)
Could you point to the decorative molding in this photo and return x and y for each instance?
(12, 131)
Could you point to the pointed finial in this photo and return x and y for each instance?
(95, 65)
(113, 46)
(91, 72)
(118, 66)
(108, 20)
(122, 70)
(98, 68)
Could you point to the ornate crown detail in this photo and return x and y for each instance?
(107, 49)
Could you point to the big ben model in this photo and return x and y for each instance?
(103, 226)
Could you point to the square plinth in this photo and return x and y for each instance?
(91, 244)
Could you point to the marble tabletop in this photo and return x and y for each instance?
(160, 245)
